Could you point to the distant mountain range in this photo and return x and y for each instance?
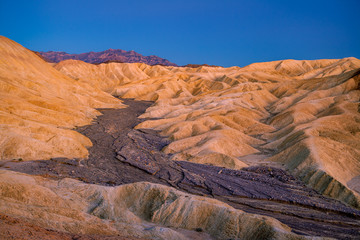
(110, 55)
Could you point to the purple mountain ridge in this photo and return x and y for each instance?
(110, 55)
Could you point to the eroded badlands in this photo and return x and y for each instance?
(301, 114)
(295, 117)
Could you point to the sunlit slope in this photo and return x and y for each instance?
(144, 210)
(318, 132)
(39, 105)
(302, 114)
(104, 76)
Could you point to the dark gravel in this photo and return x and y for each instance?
(123, 155)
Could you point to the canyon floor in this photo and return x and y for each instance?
(122, 155)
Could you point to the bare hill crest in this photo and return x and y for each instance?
(107, 56)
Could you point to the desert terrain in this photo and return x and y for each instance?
(133, 151)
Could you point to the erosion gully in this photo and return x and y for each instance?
(122, 154)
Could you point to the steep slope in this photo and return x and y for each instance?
(301, 115)
(137, 210)
(39, 107)
(108, 55)
(104, 76)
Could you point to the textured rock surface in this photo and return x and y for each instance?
(106, 56)
(137, 210)
(301, 115)
(14, 228)
(39, 107)
(253, 124)
(122, 155)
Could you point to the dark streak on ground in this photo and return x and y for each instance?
(123, 155)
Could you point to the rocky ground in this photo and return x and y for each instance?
(16, 229)
(122, 154)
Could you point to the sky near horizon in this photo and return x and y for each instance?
(225, 33)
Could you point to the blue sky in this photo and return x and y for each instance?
(226, 33)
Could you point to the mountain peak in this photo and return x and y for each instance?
(110, 55)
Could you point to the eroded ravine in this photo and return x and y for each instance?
(121, 154)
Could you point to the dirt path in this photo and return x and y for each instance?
(123, 155)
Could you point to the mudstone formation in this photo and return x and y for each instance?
(299, 116)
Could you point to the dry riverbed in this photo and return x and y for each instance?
(122, 154)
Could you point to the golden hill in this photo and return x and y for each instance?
(142, 209)
(39, 107)
(302, 114)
